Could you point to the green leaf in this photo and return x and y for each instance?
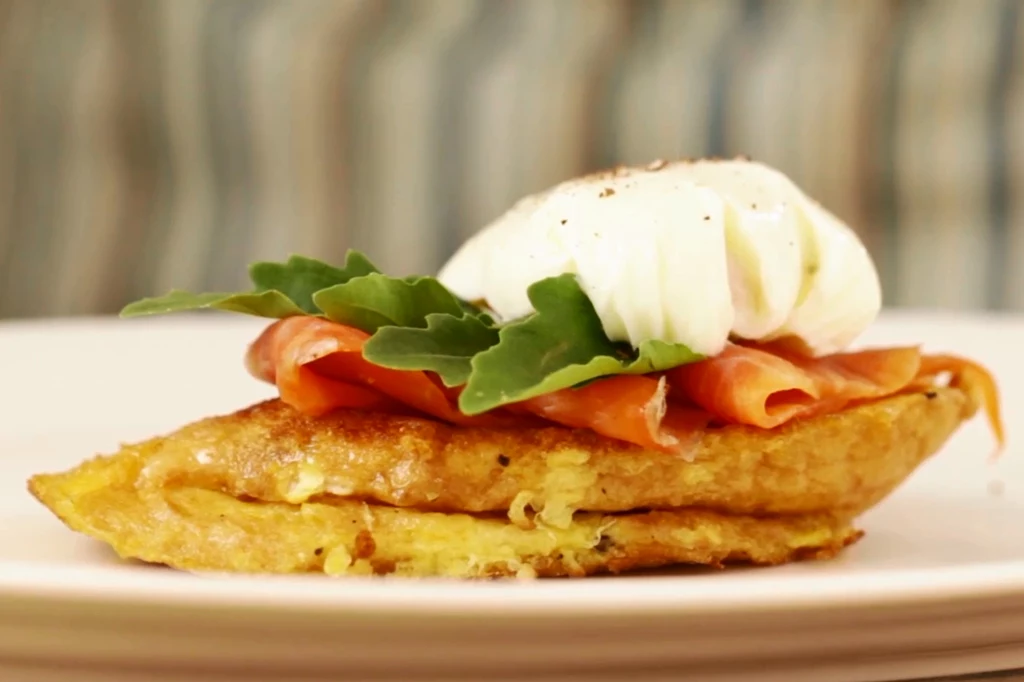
(281, 289)
(445, 346)
(264, 304)
(299, 277)
(417, 324)
(561, 345)
(376, 301)
(471, 309)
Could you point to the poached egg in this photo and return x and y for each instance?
(694, 253)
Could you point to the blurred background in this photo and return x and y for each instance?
(150, 144)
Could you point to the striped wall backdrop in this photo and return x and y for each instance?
(150, 144)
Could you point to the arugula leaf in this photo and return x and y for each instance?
(299, 277)
(445, 346)
(470, 309)
(417, 324)
(262, 304)
(561, 345)
(374, 301)
(281, 289)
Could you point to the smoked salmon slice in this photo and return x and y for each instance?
(766, 387)
(627, 407)
(972, 376)
(280, 356)
(318, 366)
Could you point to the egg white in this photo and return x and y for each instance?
(687, 252)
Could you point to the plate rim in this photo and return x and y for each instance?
(653, 595)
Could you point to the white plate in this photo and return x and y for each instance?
(936, 587)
